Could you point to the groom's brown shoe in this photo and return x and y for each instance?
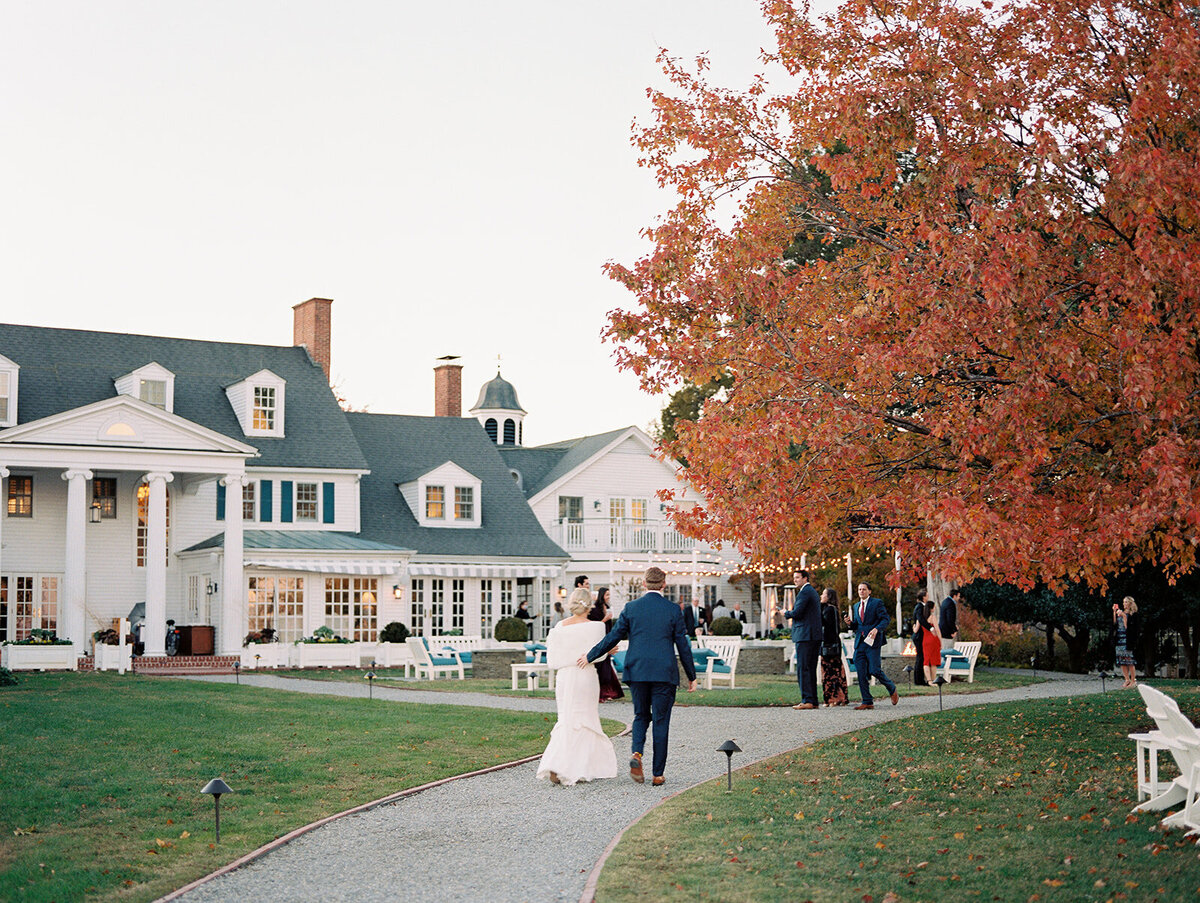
(635, 768)
(658, 780)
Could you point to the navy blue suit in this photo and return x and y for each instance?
(806, 634)
(866, 657)
(654, 627)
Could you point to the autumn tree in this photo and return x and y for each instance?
(996, 372)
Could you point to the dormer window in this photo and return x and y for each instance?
(258, 402)
(153, 391)
(435, 502)
(152, 383)
(464, 503)
(263, 417)
(8, 392)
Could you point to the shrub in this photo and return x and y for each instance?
(266, 635)
(511, 630)
(395, 632)
(7, 678)
(726, 627)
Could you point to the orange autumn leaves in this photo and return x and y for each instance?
(997, 373)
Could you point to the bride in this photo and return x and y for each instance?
(578, 749)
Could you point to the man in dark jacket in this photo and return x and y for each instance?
(806, 634)
(948, 618)
(919, 624)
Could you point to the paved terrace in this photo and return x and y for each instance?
(505, 837)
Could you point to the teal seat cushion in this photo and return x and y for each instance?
(465, 656)
(439, 660)
(618, 660)
(949, 652)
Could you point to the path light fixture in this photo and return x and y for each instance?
(1103, 677)
(370, 684)
(256, 658)
(216, 787)
(237, 672)
(1033, 664)
(908, 669)
(940, 680)
(729, 747)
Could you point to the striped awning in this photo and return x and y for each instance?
(419, 569)
(361, 566)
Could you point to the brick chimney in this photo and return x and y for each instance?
(310, 328)
(447, 387)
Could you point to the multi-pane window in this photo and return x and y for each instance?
(351, 609)
(435, 609)
(458, 600)
(570, 508)
(193, 597)
(104, 496)
(263, 417)
(20, 496)
(3, 609)
(278, 602)
(22, 609)
(30, 602)
(417, 612)
(153, 391)
(435, 502)
(637, 510)
(464, 503)
(143, 520)
(248, 495)
(485, 608)
(306, 501)
(5, 392)
(710, 596)
(506, 598)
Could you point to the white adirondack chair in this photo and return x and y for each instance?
(431, 666)
(727, 649)
(1180, 738)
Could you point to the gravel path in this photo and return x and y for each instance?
(505, 837)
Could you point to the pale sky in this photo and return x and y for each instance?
(453, 176)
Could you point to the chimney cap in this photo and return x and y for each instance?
(450, 357)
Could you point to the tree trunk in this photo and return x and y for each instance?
(1050, 628)
(1077, 645)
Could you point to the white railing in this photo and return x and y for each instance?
(624, 535)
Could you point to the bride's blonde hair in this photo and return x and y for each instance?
(580, 601)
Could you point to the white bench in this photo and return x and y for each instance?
(727, 650)
(962, 665)
(432, 665)
(532, 671)
(461, 646)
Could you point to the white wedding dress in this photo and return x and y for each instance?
(578, 749)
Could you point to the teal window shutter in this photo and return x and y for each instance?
(285, 501)
(220, 501)
(327, 503)
(266, 502)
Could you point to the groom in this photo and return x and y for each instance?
(654, 627)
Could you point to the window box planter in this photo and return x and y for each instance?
(266, 655)
(393, 655)
(39, 657)
(326, 655)
(114, 658)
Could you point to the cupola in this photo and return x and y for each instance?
(499, 412)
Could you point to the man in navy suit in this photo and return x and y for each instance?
(806, 634)
(654, 627)
(869, 619)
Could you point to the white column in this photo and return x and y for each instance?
(3, 476)
(235, 617)
(850, 596)
(75, 573)
(156, 563)
(695, 575)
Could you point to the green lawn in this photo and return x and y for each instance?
(100, 774)
(1022, 801)
(752, 689)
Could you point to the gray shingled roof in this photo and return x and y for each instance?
(541, 465)
(297, 540)
(400, 448)
(498, 393)
(63, 369)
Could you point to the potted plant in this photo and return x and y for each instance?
(325, 649)
(262, 649)
(42, 650)
(109, 653)
(391, 651)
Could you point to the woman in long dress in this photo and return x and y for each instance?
(610, 683)
(833, 674)
(933, 644)
(1124, 639)
(578, 749)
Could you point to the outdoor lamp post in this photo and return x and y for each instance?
(370, 684)
(729, 747)
(216, 787)
(908, 669)
(1103, 677)
(940, 680)
(237, 672)
(1033, 664)
(257, 656)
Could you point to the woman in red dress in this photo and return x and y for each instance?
(931, 644)
(610, 684)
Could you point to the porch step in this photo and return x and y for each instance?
(172, 665)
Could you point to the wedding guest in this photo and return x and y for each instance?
(1124, 635)
(610, 683)
(833, 672)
